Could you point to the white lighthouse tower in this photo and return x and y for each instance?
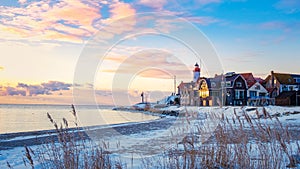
(196, 72)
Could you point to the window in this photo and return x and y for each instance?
(239, 94)
(228, 84)
(195, 93)
(215, 93)
(257, 87)
(238, 84)
(203, 92)
(262, 94)
(253, 94)
(213, 84)
(284, 88)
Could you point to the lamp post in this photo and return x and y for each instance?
(297, 98)
(142, 95)
(174, 84)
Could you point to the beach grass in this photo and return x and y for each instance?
(240, 141)
(73, 150)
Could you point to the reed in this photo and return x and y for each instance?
(238, 142)
(71, 150)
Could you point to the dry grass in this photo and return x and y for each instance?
(70, 152)
(239, 142)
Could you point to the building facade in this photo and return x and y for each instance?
(284, 88)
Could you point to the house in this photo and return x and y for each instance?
(283, 87)
(297, 81)
(236, 89)
(201, 91)
(188, 93)
(210, 92)
(282, 82)
(257, 94)
(240, 89)
(228, 89)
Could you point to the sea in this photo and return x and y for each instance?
(16, 118)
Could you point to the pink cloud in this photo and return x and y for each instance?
(121, 9)
(122, 19)
(22, 1)
(75, 12)
(205, 2)
(203, 20)
(154, 4)
(159, 64)
(66, 20)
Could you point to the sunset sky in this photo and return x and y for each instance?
(43, 42)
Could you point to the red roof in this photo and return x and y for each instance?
(249, 79)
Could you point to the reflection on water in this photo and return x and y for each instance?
(20, 118)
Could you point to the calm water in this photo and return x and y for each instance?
(20, 118)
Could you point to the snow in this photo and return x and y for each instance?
(155, 140)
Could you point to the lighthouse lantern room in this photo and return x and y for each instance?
(196, 72)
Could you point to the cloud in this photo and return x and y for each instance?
(121, 9)
(150, 63)
(287, 27)
(23, 89)
(22, 1)
(245, 57)
(273, 25)
(205, 2)
(183, 4)
(56, 86)
(203, 20)
(42, 20)
(66, 20)
(158, 4)
(11, 91)
(288, 6)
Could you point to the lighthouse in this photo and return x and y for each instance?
(196, 72)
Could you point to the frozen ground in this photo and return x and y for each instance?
(132, 141)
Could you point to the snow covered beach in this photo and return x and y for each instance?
(153, 138)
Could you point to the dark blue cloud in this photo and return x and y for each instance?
(33, 90)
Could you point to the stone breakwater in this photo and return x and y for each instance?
(155, 111)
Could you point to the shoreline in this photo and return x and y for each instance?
(30, 138)
(19, 139)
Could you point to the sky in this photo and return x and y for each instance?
(113, 50)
